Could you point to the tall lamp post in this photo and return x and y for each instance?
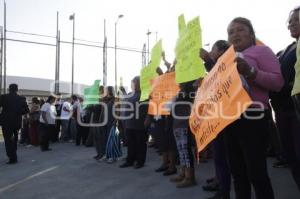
(72, 18)
(116, 72)
(148, 34)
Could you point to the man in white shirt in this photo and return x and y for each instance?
(66, 114)
(47, 122)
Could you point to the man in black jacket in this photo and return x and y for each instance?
(13, 107)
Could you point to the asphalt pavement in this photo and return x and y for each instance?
(69, 171)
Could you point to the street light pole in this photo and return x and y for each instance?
(72, 17)
(4, 50)
(148, 33)
(116, 72)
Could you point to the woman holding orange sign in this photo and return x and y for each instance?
(246, 138)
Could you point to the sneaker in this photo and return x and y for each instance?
(125, 165)
(102, 159)
(221, 195)
(213, 186)
(110, 160)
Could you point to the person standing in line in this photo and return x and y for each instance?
(223, 180)
(58, 107)
(246, 139)
(34, 116)
(47, 123)
(13, 107)
(66, 113)
(135, 128)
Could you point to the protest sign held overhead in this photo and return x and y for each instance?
(189, 66)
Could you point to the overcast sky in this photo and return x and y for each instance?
(269, 19)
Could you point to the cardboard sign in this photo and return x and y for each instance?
(220, 100)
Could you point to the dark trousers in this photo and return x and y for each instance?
(289, 129)
(10, 135)
(137, 146)
(246, 143)
(82, 134)
(296, 99)
(100, 139)
(122, 132)
(221, 163)
(45, 135)
(24, 138)
(274, 147)
(55, 134)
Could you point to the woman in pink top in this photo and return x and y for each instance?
(246, 138)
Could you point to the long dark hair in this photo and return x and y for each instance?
(136, 82)
(110, 94)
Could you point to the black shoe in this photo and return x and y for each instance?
(210, 180)
(138, 166)
(211, 187)
(12, 162)
(98, 157)
(170, 172)
(161, 169)
(220, 195)
(126, 164)
(46, 149)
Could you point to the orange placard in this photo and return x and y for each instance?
(220, 100)
(164, 89)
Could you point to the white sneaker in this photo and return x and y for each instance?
(110, 160)
(102, 159)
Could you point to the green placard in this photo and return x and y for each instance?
(189, 66)
(91, 94)
(147, 74)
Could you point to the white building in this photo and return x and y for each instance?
(31, 87)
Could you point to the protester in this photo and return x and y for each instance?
(135, 129)
(13, 107)
(181, 109)
(220, 159)
(34, 116)
(121, 121)
(82, 122)
(66, 113)
(24, 138)
(47, 123)
(110, 137)
(93, 116)
(296, 88)
(246, 138)
(282, 102)
(73, 120)
(58, 107)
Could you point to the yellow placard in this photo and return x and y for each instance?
(189, 66)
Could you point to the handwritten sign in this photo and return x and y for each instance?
(220, 100)
(164, 88)
(189, 66)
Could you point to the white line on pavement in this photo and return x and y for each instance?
(26, 179)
